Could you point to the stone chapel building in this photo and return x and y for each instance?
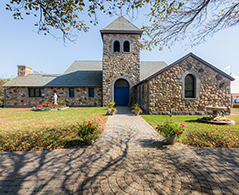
(185, 87)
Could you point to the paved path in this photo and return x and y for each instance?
(128, 158)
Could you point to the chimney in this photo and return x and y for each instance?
(24, 70)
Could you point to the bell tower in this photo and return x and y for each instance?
(121, 61)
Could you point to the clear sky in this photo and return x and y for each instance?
(21, 45)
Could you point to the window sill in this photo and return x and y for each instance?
(190, 98)
(37, 97)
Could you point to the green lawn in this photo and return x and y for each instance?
(23, 129)
(202, 134)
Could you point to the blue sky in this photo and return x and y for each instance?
(21, 45)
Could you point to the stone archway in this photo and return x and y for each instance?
(121, 92)
(121, 89)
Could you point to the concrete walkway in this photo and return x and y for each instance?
(128, 158)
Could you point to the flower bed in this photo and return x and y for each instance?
(49, 107)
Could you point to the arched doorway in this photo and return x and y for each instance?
(121, 92)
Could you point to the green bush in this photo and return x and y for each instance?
(137, 109)
(170, 128)
(88, 132)
(2, 99)
(112, 104)
(61, 102)
(134, 106)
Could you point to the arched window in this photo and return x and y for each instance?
(116, 46)
(126, 46)
(189, 86)
(121, 83)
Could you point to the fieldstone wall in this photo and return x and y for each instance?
(118, 64)
(165, 90)
(24, 70)
(18, 96)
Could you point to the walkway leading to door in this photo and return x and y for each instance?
(128, 158)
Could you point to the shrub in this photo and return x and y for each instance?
(134, 105)
(61, 102)
(112, 104)
(1, 99)
(170, 128)
(111, 111)
(88, 132)
(137, 109)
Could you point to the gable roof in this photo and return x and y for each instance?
(121, 25)
(79, 74)
(183, 58)
(147, 68)
(77, 78)
(74, 79)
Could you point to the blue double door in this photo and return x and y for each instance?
(121, 92)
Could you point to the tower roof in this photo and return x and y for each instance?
(121, 26)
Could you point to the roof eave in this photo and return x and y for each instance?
(121, 32)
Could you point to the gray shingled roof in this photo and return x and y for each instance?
(121, 24)
(84, 65)
(150, 67)
(79, 74)
(74, 79)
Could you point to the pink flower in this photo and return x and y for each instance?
(183, 130)
(156, 127)
(166, 123)
(176, 132)
(182, 125)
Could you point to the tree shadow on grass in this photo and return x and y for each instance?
(193, 121)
